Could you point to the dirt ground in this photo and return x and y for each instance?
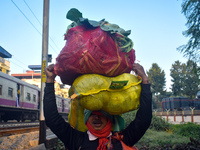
(20, 141)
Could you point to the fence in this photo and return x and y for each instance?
(175, 116)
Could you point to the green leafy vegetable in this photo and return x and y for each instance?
(124, 43)
(74, 15)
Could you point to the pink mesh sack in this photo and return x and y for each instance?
(92, 50)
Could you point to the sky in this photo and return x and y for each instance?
(156, 29)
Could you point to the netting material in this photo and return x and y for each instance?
(91, 50)
(91, 91)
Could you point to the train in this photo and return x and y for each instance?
(179, 103)
(20, 100)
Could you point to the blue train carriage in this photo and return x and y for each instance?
(197, 102)
(165, 104)
(168, 104)
(179, 103)
(18, 99)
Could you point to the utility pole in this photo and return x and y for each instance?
(45, 36)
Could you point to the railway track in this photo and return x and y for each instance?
(7, 129)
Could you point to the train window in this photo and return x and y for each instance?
(34, 98)
(28, 96)
(10, 92)
(0, 89)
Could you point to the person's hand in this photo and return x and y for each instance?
(139, 70)
(50, 74)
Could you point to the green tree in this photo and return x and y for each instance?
(157, 79)
(177, 72)
(191, 10)
(191, 82)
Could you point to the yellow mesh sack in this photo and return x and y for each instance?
(96, 92)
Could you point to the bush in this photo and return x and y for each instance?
(129, 117)
(157, 123)
(158, 140)
(160, 124)
(189, 130)
(60, 145)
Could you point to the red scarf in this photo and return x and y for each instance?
(101, 134)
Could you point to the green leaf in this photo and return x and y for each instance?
(92, 23)
(113, 28)
(74, 15)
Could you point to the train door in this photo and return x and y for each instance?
(63, 105)
(38, 100)
(22, 95)
(198, 94)
(18, 94)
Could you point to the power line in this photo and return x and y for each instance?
(32, 24)
(32, 13)
(39, 23)
(26, 17)
(17, 65)
(54, 43)
(53, 49)
(20, 61)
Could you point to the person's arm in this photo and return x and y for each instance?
(137, 128)
(69, 136)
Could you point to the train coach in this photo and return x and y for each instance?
(179, 103)
(21, 101)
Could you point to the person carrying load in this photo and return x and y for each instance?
(99, 123)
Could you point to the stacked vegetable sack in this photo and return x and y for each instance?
(96, 61)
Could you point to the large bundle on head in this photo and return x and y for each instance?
(115, 95)
(94, 47)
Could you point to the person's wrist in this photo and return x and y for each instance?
(50, 80)
(145, 80)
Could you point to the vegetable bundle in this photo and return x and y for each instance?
(96, 92)
(93, 48)
(96, 60)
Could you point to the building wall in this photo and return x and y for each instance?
(4, 65)
(63, 92)
(33, 78)
(33, 81)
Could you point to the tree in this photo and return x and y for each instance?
(191, 10)
(177, 72)
(157, 79)
(191, 82)
(185, 78)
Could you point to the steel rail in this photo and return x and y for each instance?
(7, 131)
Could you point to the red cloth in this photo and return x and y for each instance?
(102, 134)
(97, 113)
(91, 50)
(120, 138)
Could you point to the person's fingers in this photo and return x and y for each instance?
(136, 67)
(135, 64)
(50, 68)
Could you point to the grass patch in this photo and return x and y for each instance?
(163, 135)
(188, 130)
(160, 124)
(161, 139)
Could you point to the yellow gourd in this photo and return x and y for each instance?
(93, 92)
